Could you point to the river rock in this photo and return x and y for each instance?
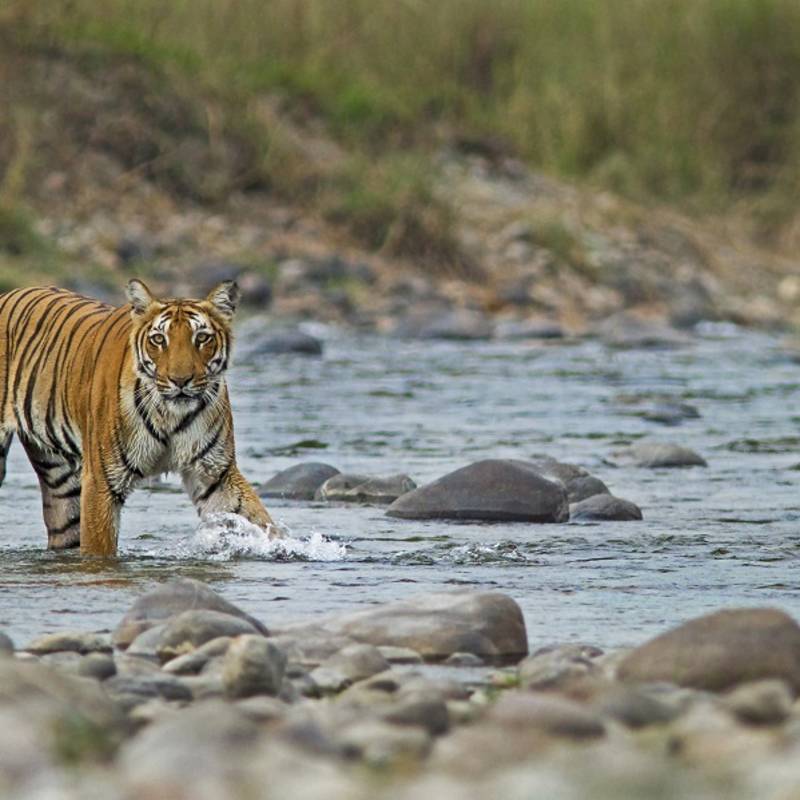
(528, 329)
(363, 489)
(351, 664)
(604, 507)
(299, 482)
(635, 708)
(99, 666)
(490, 490)
(655, 455)
(71, 641)
(381, 744)
(578, 482)
(191, 663)
(252, 665)
(190, 629)
(557, 667)
(255, 342)
(172, 598)
(720, 650)
(550, 714)
(626, 331)
(488, 624)
(130, 691)
(456, 324)
(767, 702)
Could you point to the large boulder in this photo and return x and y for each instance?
(299, 482)
(491, 490)
(168, 600)
(487, 624)
(720, 650)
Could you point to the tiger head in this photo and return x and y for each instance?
(181, 347)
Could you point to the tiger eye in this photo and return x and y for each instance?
(202, 338)
(158, 339)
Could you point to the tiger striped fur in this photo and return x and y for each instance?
(103, 397)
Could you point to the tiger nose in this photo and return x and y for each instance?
(182, 381)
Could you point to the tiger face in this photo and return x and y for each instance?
(181, 347)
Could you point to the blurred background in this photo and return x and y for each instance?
(462, 168)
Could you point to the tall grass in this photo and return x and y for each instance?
(677, 99)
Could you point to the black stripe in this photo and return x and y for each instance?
(214, 486)
(58, 482)
(142, 412)
(76, 492)
(209, 447)
(191, 417)
(124, 459)
(65, 527)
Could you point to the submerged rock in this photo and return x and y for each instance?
(172, 598)
(299, 482)
(490, 490)
(626, 331)
(363, 489)
(720, 650)
(654, 455)
(605, 507)
(255, 339)
(578, 482)
(487, 624)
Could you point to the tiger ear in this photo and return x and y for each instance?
(139, 297)
(224, 298)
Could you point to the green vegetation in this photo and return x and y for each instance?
(690, 101)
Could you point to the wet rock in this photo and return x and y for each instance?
(578, 482)
(196, 660)
(310, 645)
(353, 663)
(190, 629)
(72, 641)
(299, 482)
(99, 666)
(464, 660)
(172, 598)
(6, 645)
(655, 455)
(452, 324)
(557, 667)
(363, 489)
(719, 651)
(252, 665)
(604, 507)
(670, 413)
(767, 702)
(488, 624)
(146, 644)
(550, 714)
(528, 329)
(627, 331)
(130, 691)
(254, 339)
(490, 490)
(635, 708)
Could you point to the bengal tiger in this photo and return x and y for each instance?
(102, 397)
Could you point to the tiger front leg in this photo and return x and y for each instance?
(100, 509)
(227, 491)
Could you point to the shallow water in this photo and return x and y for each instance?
(722, 536)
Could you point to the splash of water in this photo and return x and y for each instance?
(224, 537)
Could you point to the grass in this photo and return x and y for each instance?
(695, 102)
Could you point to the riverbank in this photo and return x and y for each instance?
(189, 696)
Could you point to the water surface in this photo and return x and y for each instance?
(727, 535)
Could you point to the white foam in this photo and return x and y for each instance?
(223, 537)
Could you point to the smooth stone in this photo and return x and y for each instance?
(146, 644)
(172, 598)
(381, 744)
(436, 625)
(421, 710)
(262, 708)
(130, 690)
(719, 651)
(670, 413)
(311, 645)
(190, 629)
(583, 487)
(70, 641)
(350, 488)
(604, 507)
(400, 655)
(557, 667)
(767, 702)
(548, 713)
(192, 663)
(351, 664)
(635, 708)
(456, 325)
(490, 490)
(578, 482)
(533, 329)
(272, 342)
(98, 666)
(463, 660)
(252, 665)
(655, 455)
(204, 686)
(625, 331)
(299, 482)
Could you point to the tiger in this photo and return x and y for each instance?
(102, 397)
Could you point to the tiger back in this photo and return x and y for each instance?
(102, 397)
